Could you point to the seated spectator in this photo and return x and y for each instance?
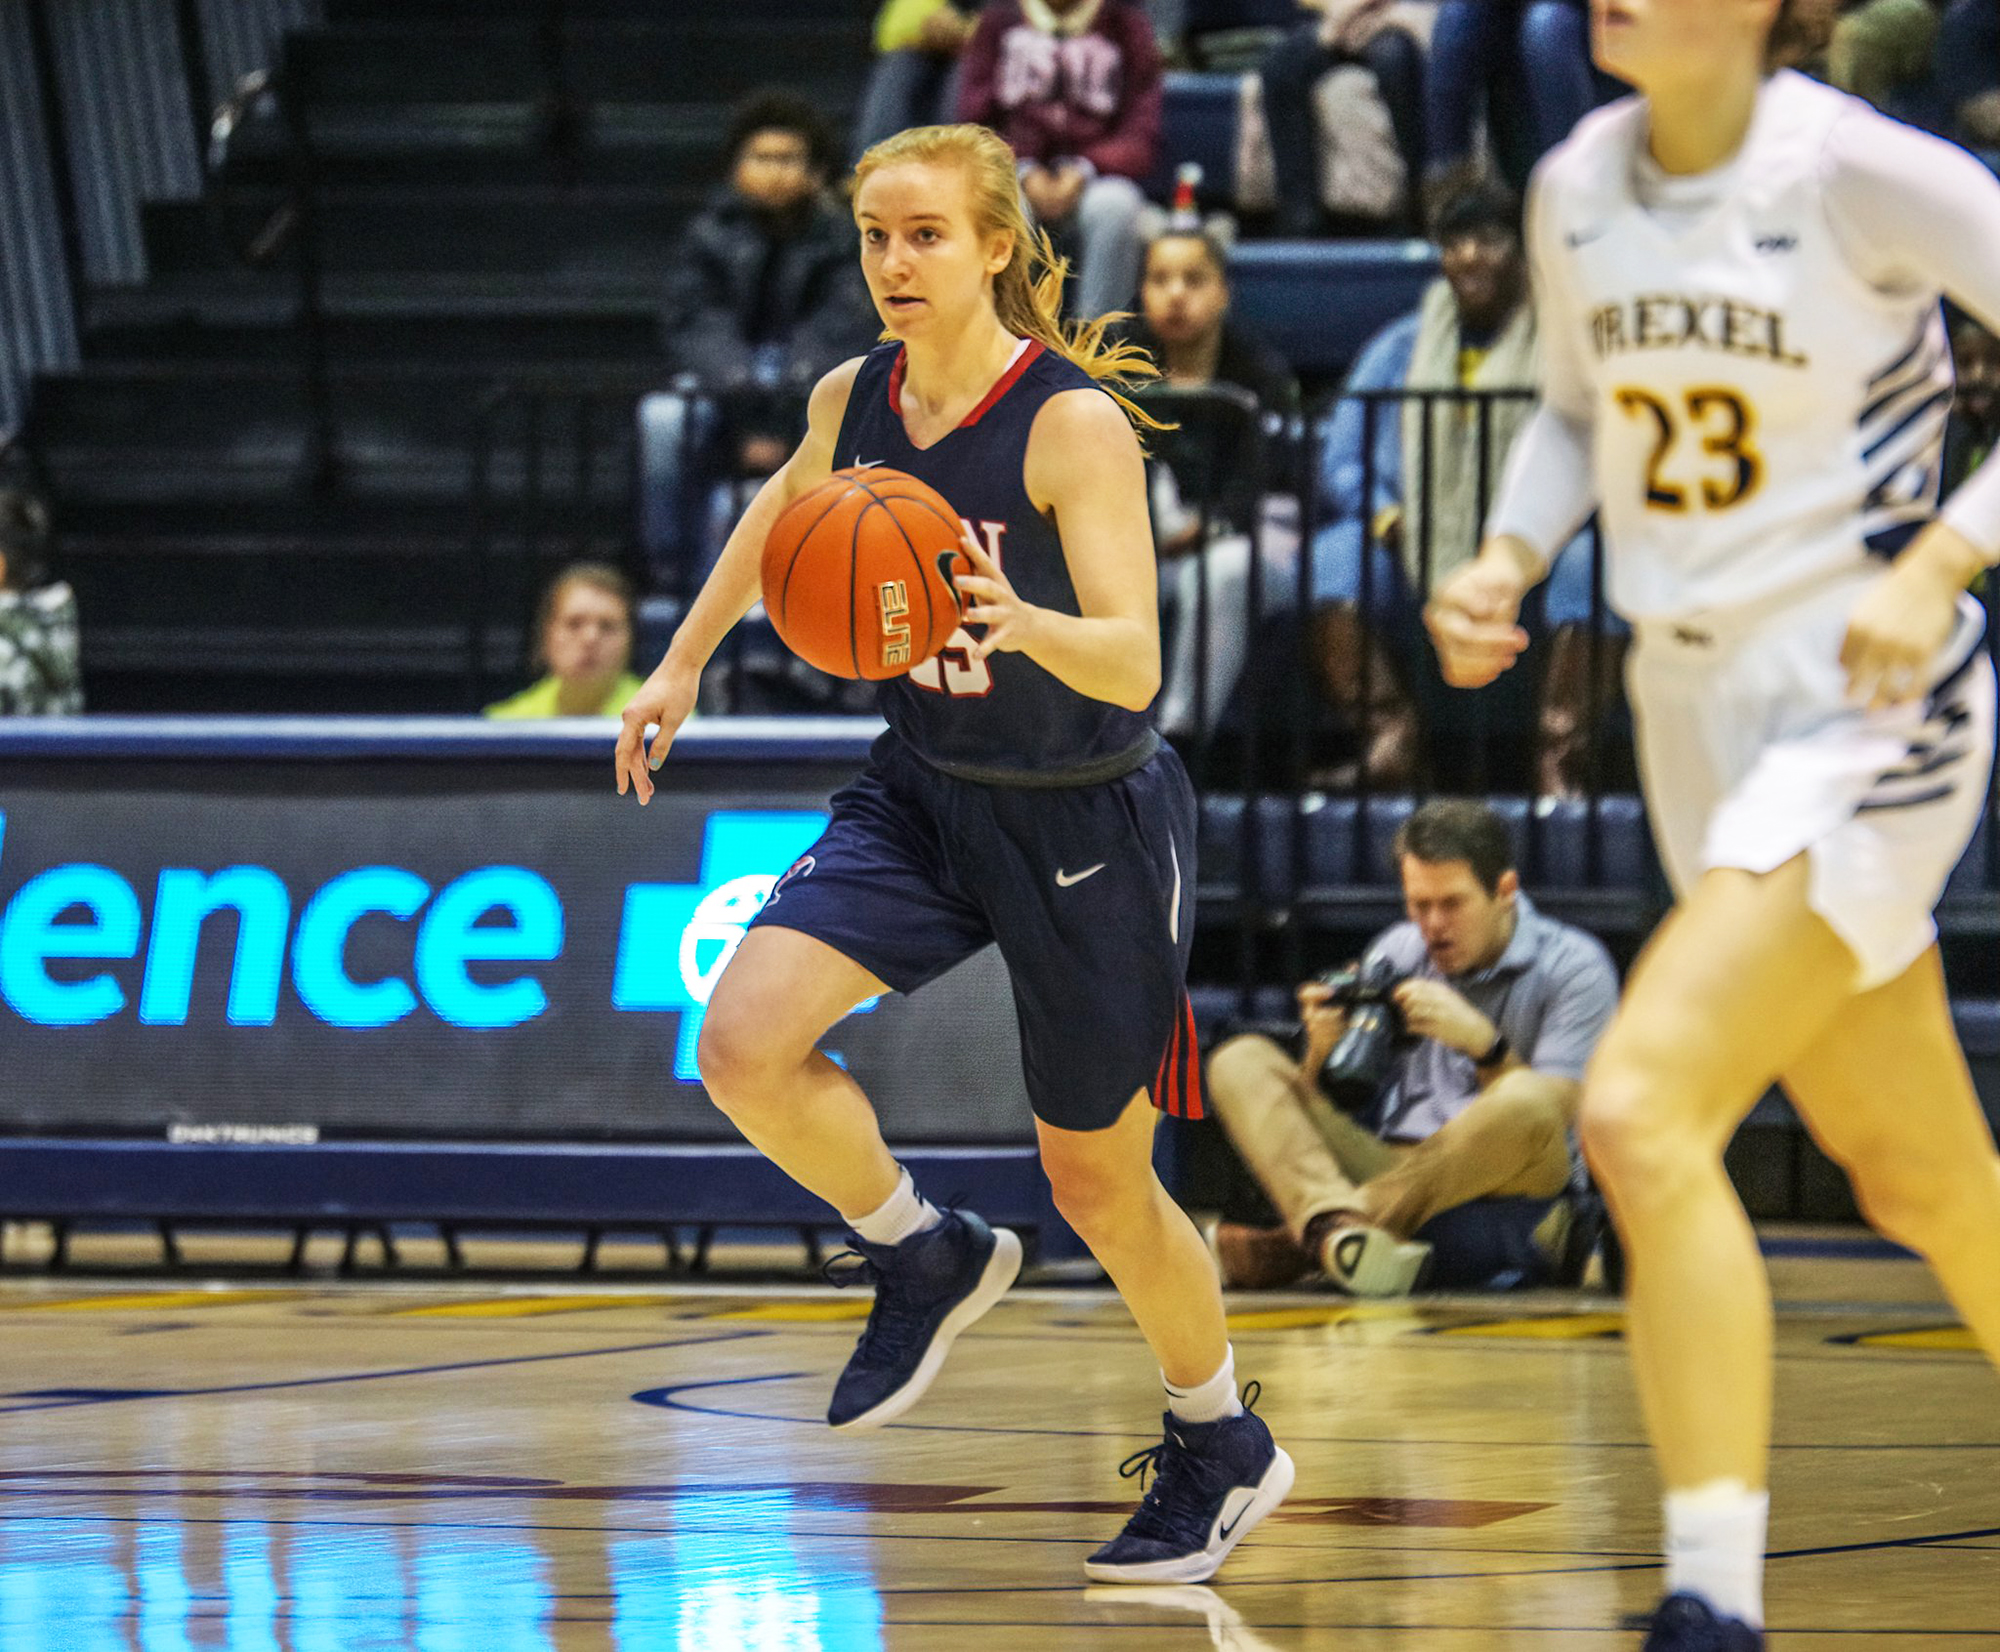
(583, 632)
(1968, 73)
(1372, 34)
(1881, 50)
(1474, 331)
(1526, 65)
(1074, 88)
(1209, 502)
(914, 79)
(1456, 1165)
(764, 295)
(1970, 436)
(40, 653)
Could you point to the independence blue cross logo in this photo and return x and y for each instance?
(676, 938)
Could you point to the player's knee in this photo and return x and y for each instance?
(1244, 1068)
(738, 1062)
(1635, 1138)
(1093, 1199)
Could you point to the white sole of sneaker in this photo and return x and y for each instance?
(1003, 1267)
(1366, 1261)
(1198, 1567)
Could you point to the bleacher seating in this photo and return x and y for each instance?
(1318, 302)
(1198, 122)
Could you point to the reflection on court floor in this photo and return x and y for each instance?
(457, 1469)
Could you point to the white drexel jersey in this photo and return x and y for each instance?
(1763, 418)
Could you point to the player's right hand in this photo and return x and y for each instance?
(1473, 618)
(665, 701)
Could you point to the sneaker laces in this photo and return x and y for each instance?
(1184, 1486)
(895, 1322)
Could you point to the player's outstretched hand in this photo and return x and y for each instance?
(664, 701)
(1473, 619)
(986, 598)
(1906, 618)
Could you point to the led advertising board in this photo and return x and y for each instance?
(452, 949)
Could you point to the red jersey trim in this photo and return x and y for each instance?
(1005, 382)
(1176, 1087)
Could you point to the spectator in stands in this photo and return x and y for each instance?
(764, 295)
(1975, 414)
(1457, 1163)
(1474, 331)
(914, 79)
(1209, 500)
(1968, 73)
(583, 631)
(1074, 87)
(40, 653)
(1882, 50)
(1375, 35)
(1525, 64)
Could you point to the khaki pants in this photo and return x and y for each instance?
(1312, 1159)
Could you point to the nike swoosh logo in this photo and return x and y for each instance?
(1243, 1497)
(1065, 879)
(1174, 909)
(867, 464)
(1583, 237)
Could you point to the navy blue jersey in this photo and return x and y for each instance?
(1002, 719)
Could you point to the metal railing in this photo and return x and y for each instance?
(551, 457)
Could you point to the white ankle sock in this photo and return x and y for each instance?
(1715, 1547)
(1207, 1402)
(903, 1213)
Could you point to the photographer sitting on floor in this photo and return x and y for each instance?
(1427, 1130)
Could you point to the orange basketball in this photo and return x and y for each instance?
(855, 573)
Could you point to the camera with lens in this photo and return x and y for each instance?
(1359, 1064)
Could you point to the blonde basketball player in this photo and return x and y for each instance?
(1746, 375)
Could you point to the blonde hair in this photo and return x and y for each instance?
(1027, 294)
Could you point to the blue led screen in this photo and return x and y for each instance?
(445, 950)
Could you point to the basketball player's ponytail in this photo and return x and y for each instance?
(1027, 294)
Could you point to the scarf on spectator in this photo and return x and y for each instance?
(1075, 21)
(1452, 500)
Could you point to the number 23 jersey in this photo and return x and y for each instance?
(1763, 417)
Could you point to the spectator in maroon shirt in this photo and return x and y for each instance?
(1074, 87)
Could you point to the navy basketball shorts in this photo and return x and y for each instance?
(1088, 890)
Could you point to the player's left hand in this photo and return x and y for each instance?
(1906, 618)
(1433, 1010)
(986, 598)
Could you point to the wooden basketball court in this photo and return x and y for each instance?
(345, 1468)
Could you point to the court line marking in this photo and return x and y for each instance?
(372, 1376)
(667, 1398)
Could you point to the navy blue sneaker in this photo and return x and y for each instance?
(927, 1290)
(1687, 1623)
(1211, 1483)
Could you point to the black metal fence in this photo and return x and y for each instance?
(1265, 526)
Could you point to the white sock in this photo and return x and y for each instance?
(903, 1213)
(1715, 1547)
(1207, 1402)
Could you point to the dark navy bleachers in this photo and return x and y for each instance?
(1317, 302)
(1318, 843)
(1198, 122)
